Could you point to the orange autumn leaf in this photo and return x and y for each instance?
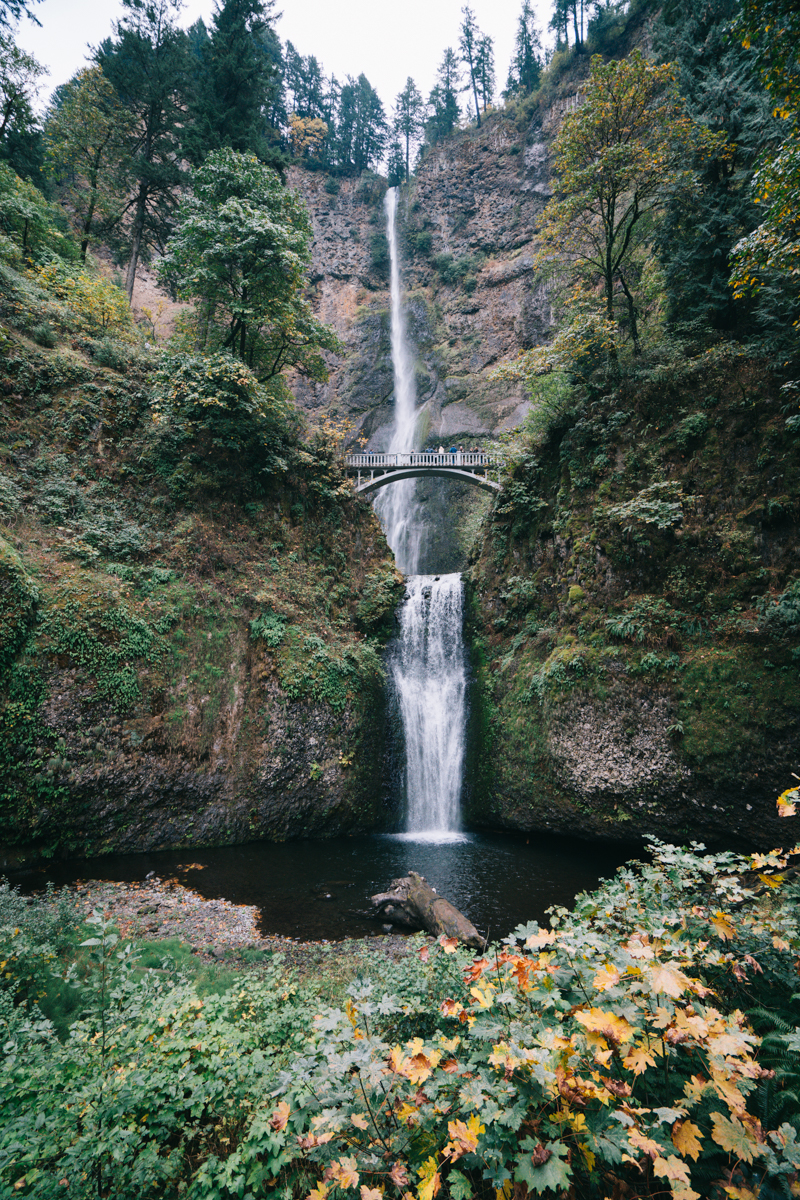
(343, 1170)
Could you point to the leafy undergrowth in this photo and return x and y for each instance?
(643, 1045)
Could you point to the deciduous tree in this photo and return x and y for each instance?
(86, 136)
(616, 158)
(241, 252)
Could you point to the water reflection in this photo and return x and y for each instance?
(320, 889)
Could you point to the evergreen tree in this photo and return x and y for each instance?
(362, 127)
(485, 70)
(566, 12)
(443, 109)
(19, 87)
(526, 64)
(12, 10)
(408, 118)
(236, 83)
(469, 43)
(147, 65)
(717, 77)
(395, 164)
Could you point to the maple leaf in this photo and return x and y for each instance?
(668, 979)
(359, 1121)
(464, 1136)
(368, 1193)
(318, 1193)
(399, 1175)
(723, 926)
(343, 1170)
(735, 1138)
(638, 1059)
(430, 1180)
(545, 937)
(611, 1026)
(779, 943)
(671, 1167)
(280, 1116)
(686, 1139)
(606, 977)
(450, 1008)
(448, 944)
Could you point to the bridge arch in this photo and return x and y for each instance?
(375, 470)
(391, 476)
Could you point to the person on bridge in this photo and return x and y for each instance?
(441, 454)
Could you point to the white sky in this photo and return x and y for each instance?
(388, 41)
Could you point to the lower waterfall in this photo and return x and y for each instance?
(429, 674)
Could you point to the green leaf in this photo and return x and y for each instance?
(551, 1175)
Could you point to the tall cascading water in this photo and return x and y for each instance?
(428, 662)
(396, 504)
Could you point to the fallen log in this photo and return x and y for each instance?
(412, 903)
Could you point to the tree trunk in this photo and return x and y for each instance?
(412, 903)
(136, 243)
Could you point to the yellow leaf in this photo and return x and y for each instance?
(606, 977)
(638, 1059)
(735, 1138)
(668, 979)
(615, 1028)
(671, 1168)
(359, 1121)
(686, 1139)
(779, 943)
(723, 926)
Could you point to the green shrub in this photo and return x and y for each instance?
(18, 600)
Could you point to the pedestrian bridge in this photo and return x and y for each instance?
(372, 471)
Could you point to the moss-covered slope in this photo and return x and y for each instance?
(174, 671)
(636, 611)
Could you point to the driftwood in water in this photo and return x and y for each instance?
(412, 903)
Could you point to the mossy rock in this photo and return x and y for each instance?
(576, 594)
(18, 600)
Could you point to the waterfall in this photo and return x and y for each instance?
(395, 505)
(428, 670)
(427, 662)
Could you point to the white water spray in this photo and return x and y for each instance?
(428, 665)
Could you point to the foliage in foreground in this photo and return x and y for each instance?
(608, 1055)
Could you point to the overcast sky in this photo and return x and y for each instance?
(387, 41)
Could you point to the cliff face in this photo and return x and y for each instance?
(174, 672)
(467, 224)
(636, 613)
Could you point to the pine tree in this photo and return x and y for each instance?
(526, 63)
(484, 67)
(443, 108)
(408, 118)
(469, 43)
(717, 77)
(362, 127)
(147, 65)
(237, 82)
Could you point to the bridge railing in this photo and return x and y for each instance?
(421, 458)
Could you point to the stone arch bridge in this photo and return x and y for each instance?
(372, 471)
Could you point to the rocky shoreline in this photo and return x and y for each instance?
(156, 910)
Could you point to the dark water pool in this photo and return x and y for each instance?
(319, 889)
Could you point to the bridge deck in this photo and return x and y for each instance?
(375, 470)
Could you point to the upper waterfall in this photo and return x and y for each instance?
(395, 507)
